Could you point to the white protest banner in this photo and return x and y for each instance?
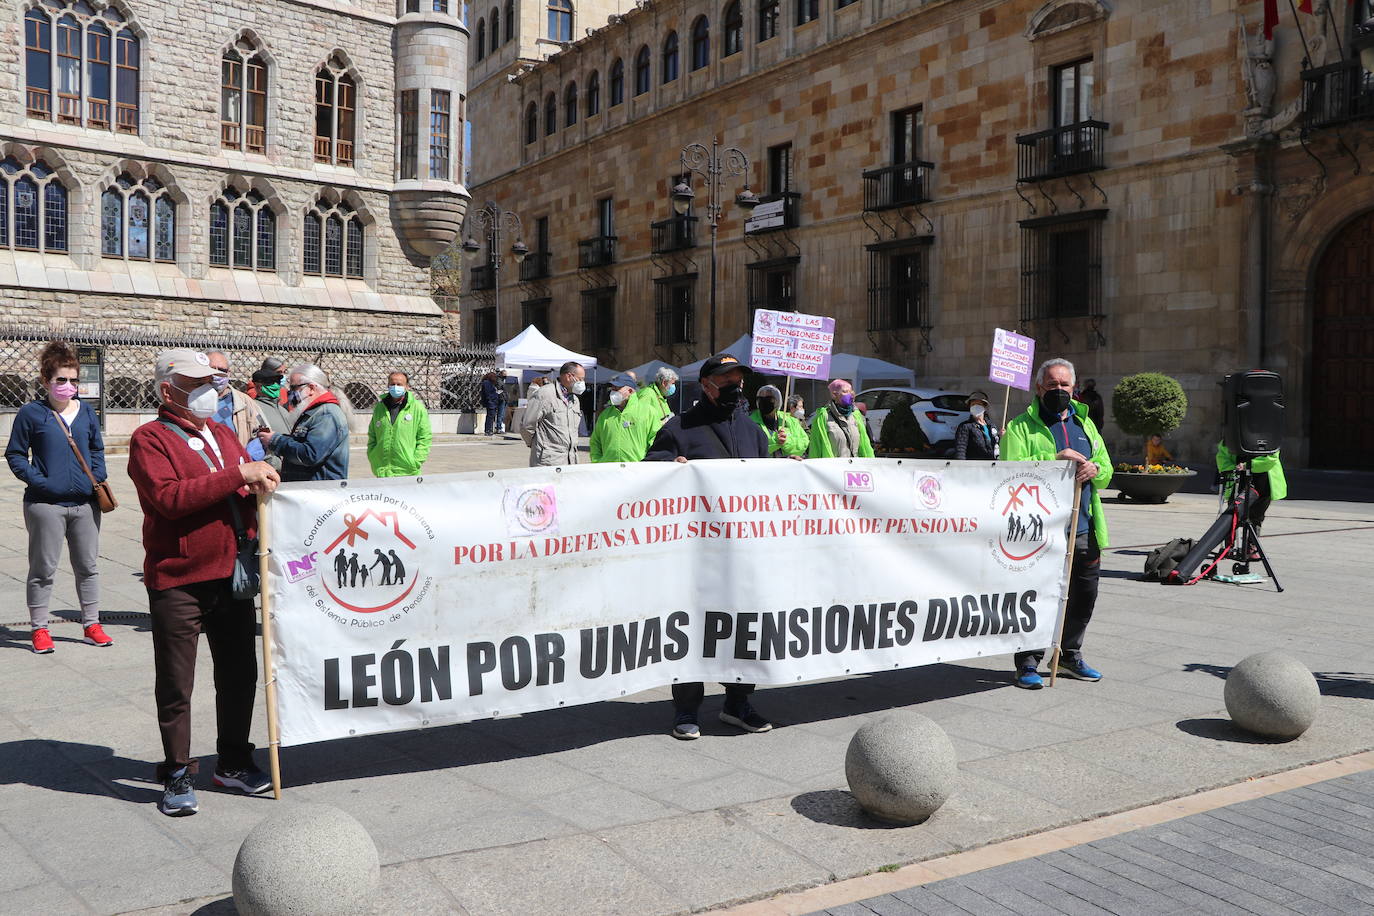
(790, 343)
(1012, 357)
(399, 604)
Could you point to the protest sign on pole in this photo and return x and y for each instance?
(1013, 356)
(792, 344)
(402, 604)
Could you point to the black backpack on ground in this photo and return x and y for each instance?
(1162, 560)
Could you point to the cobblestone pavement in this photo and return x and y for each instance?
(596, 810)
(1301, 852)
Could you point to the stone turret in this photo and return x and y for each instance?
(431, 86)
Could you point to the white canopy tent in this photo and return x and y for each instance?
(867, 371)
(532, 350)
(740, 350)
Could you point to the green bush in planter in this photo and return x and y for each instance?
(1148, 404)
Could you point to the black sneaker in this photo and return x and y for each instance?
(178, 797)
(685, 727)
(746, 717)
(249, 782)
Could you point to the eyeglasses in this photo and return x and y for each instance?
(301, 385)
(63, 380)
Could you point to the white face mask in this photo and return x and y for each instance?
(578, 387)
(202, 402)
(799, 414)
(977, 410)
(617, 399)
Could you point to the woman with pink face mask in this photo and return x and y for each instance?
(59, 499)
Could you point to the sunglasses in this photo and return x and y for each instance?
(63, 380)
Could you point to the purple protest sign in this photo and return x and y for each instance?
(1012, 358)
(790, 343)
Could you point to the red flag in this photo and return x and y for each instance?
(1304, 6)
(1271, 17)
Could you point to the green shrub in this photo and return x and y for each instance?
(1148, 404)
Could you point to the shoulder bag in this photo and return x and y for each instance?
(104, 496)
(244, 579)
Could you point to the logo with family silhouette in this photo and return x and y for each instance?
(1024, 504)
(371, 566)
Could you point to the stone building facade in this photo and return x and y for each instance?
(281, 170)
(1135, 183)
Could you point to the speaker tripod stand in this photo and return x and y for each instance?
(1231, 535)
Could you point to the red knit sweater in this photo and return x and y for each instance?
(188, 530)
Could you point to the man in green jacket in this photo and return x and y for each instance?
(619, 432)
(399, 436)
(652, 402)
(786, 438)
(1266, 479)
(1056, 427)
(837, 429)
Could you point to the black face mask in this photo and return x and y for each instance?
(730, 396)
(1056, 400)
(767, 405)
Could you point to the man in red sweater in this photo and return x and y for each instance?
(196, 485)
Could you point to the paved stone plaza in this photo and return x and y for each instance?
(597, 810)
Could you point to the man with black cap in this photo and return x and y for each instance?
(619, 435)
(267, 381)
(714, 427)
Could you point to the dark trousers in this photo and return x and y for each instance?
(1259, 503)
(180, 615)
(688, 697)
(1083, 576)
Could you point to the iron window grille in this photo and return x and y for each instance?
(1337, 94)
(676, 233)
(1061, 266)
(483, 277)
(484, 325)
(898, 284)
(675, 310)
(536, 312)
(537, 265)
(1062, 151)
(598, 318)
(903, 185)
(598, 251)
(772, 285)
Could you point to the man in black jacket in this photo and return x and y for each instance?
(714, 427)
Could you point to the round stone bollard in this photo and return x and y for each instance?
(901, 768)
(309, 860)
(1272, 694)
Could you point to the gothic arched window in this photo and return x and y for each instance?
(734, 30)
(104, 66)
(333, 241)
(138, 220)
(550, 114)
(243, 231)
(33, 207)
(510, 19)
(495, 17)
(642, 71)
(617, 82)
(531, 123)
(481, 38)
(570, 105)
(701, 43)
(594, 94)
(243, 98)
(336, 113)
(670, 57)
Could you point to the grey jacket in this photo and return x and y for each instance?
(549, 427)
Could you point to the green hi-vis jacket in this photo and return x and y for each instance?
(1028, 439)
(821, 447)
(796, 444)
(619, 433)
(399, 449)
(1278, 484)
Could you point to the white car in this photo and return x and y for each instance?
(938, 413)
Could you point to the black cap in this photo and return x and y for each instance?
(721, 362)
(271, 369)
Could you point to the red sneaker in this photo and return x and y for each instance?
(42, 641)
(96, 636)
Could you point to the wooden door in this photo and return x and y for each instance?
(1343, 350)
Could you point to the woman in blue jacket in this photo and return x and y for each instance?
(59, 499)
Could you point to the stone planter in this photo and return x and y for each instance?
(1149, 488)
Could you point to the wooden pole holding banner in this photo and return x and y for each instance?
(269, 673)
(1006, 404)
(1068, 572)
